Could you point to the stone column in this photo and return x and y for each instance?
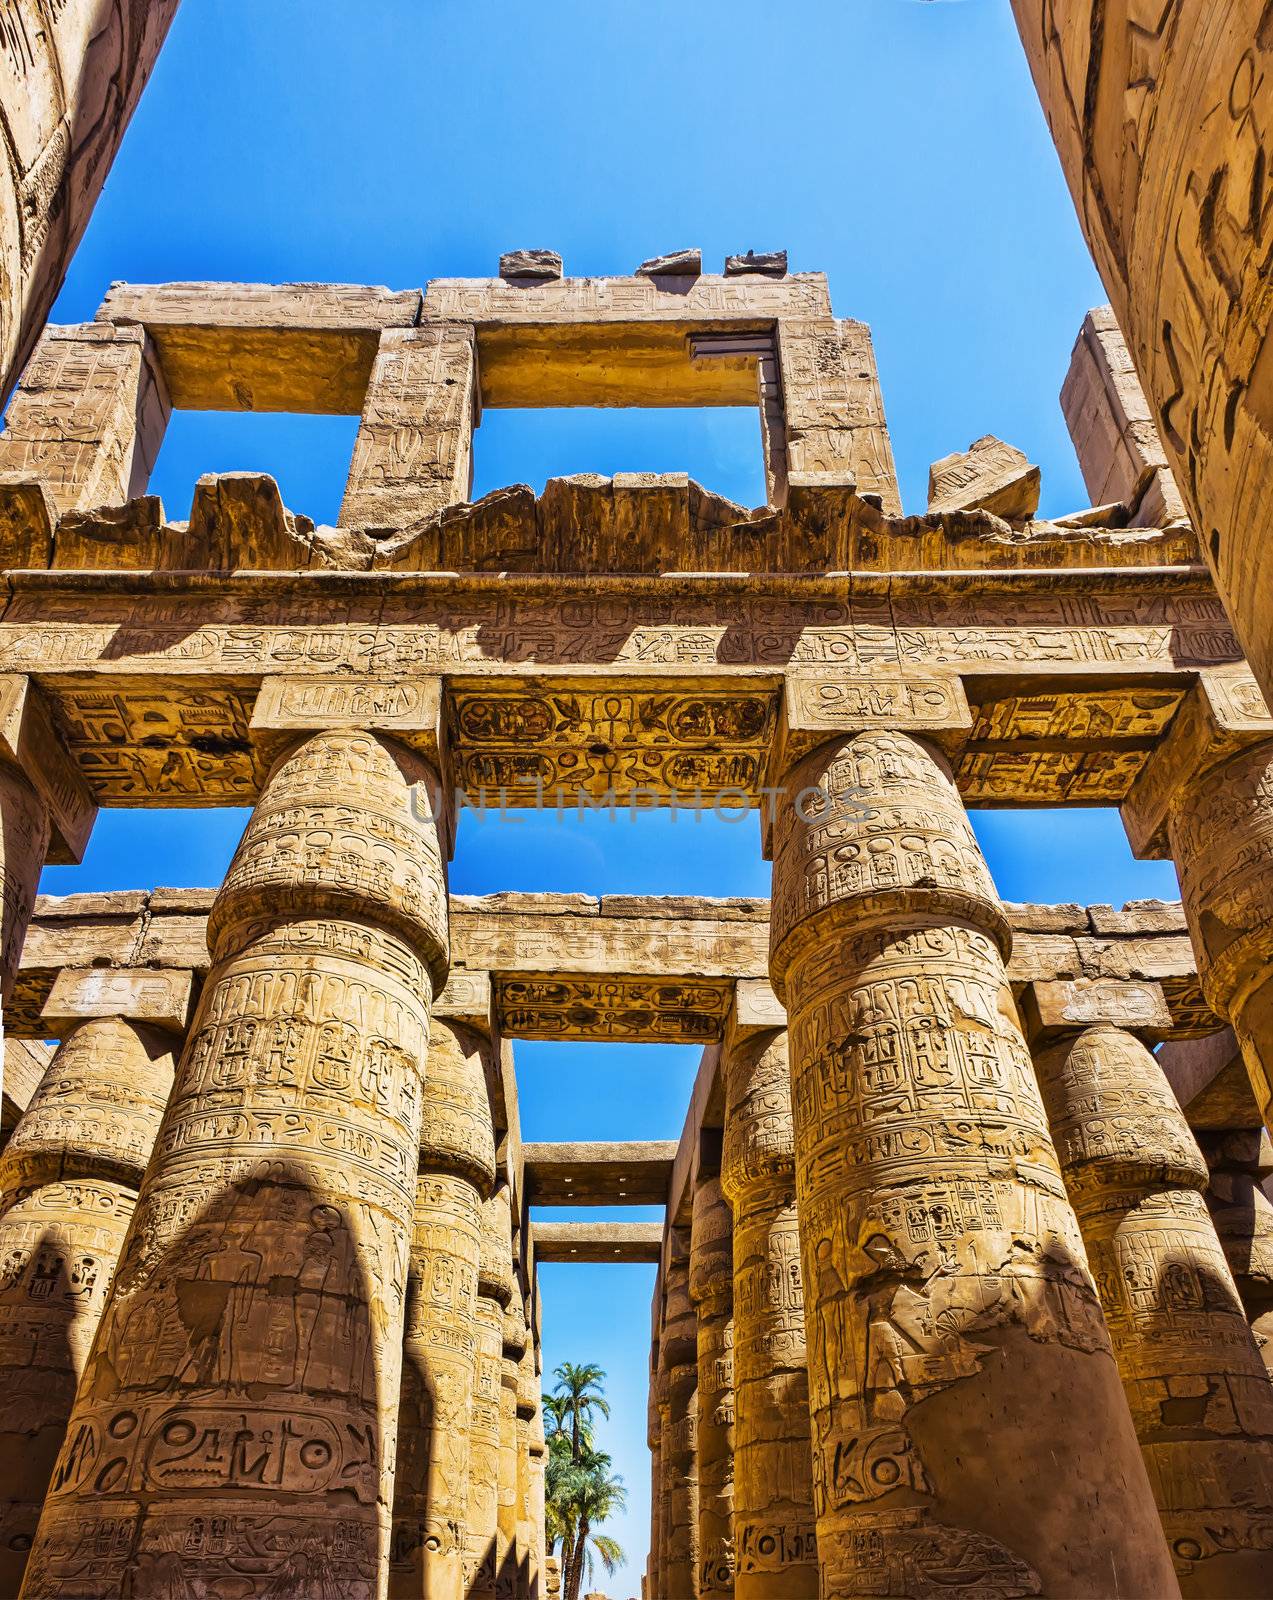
(1200, 1397)
(679, 1464)
(439, 1376)
(1161, 117)
(775, 1552)
(494, 1292)
(527, 1405)
(242, 1391)
(538, 1488)
(46, 813)
(712, 1291)
(952, 1320)
(654, 1439)
(1241, 1163)
(1205, 798)
(414, 453)
(88, 416)
(68, 1184)
(510, 1526)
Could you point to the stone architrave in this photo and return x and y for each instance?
(69, 1178)
(440, 1351)
(46, 813)
(242, 1390)
(947, 1290)
(495, 1289)
(775, 1550)
(1161, 117)
(712, 1291)
(1199, 1394)
(679, 1408)
(88, 416)
(1206, 798)
(414, 452)
(72, 76)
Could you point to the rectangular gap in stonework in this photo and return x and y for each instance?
(718, 446)
(308, 456)
(171, 848)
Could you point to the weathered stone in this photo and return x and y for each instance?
(765, 263)
(679, 264)
(775, 1553)
(909, 1073)
(69, 1178)
(1200, 1397)
(284, 1181)
(989, 476)
(538, 264)
(711, 1284)
(73, 76)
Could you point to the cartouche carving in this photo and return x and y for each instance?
(947, 1288)
(1199, 1395)
(242, 1390)
(775, 1550)
(440, 1353)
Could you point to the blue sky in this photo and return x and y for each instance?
(895, 145)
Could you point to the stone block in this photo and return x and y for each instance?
(758, 263)
(28, 515)
(989, 476)
(162, 997)
(678, 264)
(543, 265)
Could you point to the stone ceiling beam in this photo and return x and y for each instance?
(598, 1174)
(615, 1243)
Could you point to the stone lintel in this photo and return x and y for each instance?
(1210, 1080)
(1223, 714)
(612, 1242)
(1068, 1005)
(30, 741)
(709, 299)
(264, 347)
(162, 996)
(632, 1173)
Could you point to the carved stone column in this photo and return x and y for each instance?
(414, 452)
(68, 1184)
(88, 416)
(527, 1406)
(712, 1291)
(654, 1439)
(1241, 1162)
(1205, 797)
(538, 1491)
(439, 1377)
(1200, 1397)
(242, 1391)
(948, 1297)
(680, 1476)
(494, 1292)
(510, 1525)
(775, 1552)
(46, 813)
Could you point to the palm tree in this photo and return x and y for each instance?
(556, 1415)
(580, 1391)
(587, 1492)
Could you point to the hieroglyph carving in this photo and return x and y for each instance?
(712, 1291)
(775, 1550)
(679, 1455)
(242, 1391)
(947, 1288)
(68, 1184)
(1200, 1397)
(441, 1348)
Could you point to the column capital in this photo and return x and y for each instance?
(1223, 715)
(1052, 1008)
(30, 742)
(162, 997)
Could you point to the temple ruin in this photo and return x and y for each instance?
(965, 1282)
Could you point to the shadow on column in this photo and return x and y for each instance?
(226, 1440)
